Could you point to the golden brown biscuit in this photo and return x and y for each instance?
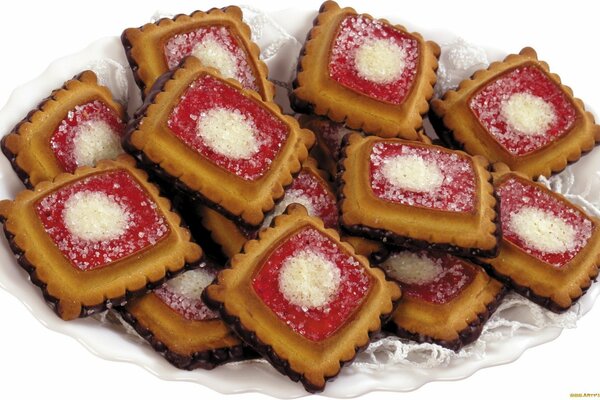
(218, 37)
(550, 250)
(446, 300)
(302, 298)
(366, 73)
(411, 194)
(218, 143)
(76, 236)
(78, 124)
(518, 113)
(178, 325)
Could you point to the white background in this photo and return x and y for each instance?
(35, 361)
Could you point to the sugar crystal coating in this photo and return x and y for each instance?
(380, 61)
(524, 110)
(211, 105)
(412, 173)
(216, 47)
(212, 54)
(541, 225)
(101, 219)
(183, 294)
(95, 216)
(433, 277)
(528, 114)
(374, 59)
(314, 323)
(89, 133)
(95, 141)
(228, 132)
(412, 268)
(542, 231)
(308, 279)
(422, 176)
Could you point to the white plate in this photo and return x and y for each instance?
(113, 344)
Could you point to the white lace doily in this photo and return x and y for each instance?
(459, 59)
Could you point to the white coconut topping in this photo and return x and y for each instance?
(411, 268)
(528, 114)
(191, 283)
(542, 231)
(309, 280)
(380, 61)
(228, 132)
(411, 172)
(213, 54)
(94, 141)
(95, 216)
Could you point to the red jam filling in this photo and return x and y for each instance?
(63, 139)
(433, 178)
(354, 32)
(182, 294)
(207, 94)
(516, 195)
(141, 224)
(454, 275)
(313, 323)
(488, 103)
(217, 48)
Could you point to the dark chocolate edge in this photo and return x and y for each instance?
(127, 47)
(446, 135)
(267, 352)
(528, 293)
(465, 336)
(108, 303)
(393, 239)
(207, 359)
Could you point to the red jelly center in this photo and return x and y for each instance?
(489, 102)
(182, 294)
(345, 61)
(207, 97)
(141, 223)
(313, 323)
(453, 276)
(422, 176)
(516, 195)
(64, 137)
(216, 47)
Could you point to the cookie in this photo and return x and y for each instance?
(550, 248)
(518, 113)
(77, 125)
(416, 195)
(446, 300)
(218, 38)
(176, 322)
(302, 298)
(366, 73)
(76, 236)
(217, 143)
